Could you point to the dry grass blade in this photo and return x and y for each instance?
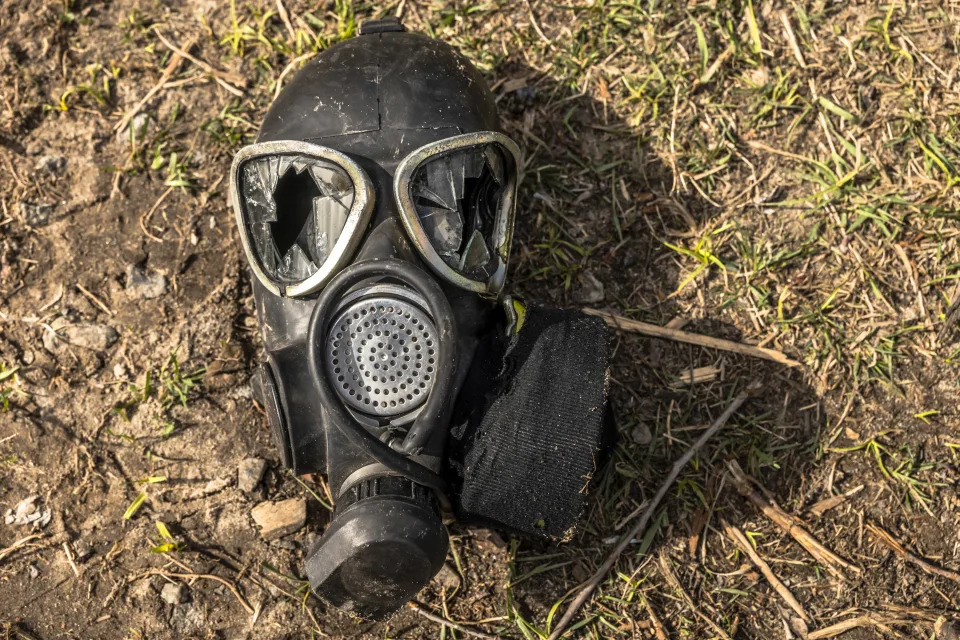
(675, 584)
(18, 544)
(285, 17)
(658, 629)
(73, 565)
(145, 218)
(869, 620)
(638, 529)
(223, 78)
(656, 331)
(448, 623)
(175, 60)
(826, 504)
(884, 536)
(790, 524)
(741, 541)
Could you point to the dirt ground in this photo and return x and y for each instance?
(781, 174)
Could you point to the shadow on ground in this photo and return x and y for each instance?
(597, 212)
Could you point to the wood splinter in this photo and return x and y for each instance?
(791, 525)
(908, 556)
(741, 541)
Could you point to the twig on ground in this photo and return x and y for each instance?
(656, 331)
(834, 501)
(73, 565)
(207, 576)
(175, 60)
(791, 39)
(536, 27)
(18, 544)
(712, 70)
(641, 525)
(657, 625)
(741, 541)
(224, 78)
(908, 556)
(869, 620)
(675, 584)
(145, 218)
(448, 623)
(285, 18)
(95, 300)
(791, 525)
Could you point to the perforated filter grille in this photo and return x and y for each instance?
(381, 356)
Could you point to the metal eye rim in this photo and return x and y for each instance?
(350, 236)
(503, 230)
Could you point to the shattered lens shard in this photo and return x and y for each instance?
(295, 208)
(458, 196)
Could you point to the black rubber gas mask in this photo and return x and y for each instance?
(376, 212)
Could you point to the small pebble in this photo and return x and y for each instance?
(277, 519)
(174, 593)
(641, 434)
(96, 337)
(144, 283)
(590, 290)
(52, 164)
(448, 578)
(36, 215)
(249, 473)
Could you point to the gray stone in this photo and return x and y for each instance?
(82, 549)
(448, 578)
(174, 593)
(214, 486)
(943, 629)
(140, 124)
(144, 283)
(590, 290)
(27, 512)
(277, 519)
(96, 337)
(249, 473)
(24, 513)
(641, 434)
(52, 164)
(310, 540)
(36, 214)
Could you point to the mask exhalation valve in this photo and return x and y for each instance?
(381, 355)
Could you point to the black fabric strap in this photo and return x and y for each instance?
(523, 452)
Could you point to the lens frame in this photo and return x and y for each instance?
(350, 236)
(503, 227)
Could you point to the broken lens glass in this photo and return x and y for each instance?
(295, 208)
(458, 197)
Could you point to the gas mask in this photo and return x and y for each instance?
(376, 211)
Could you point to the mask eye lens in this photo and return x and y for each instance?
(295, 208)
(458, 197)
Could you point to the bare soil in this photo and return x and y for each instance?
(113, 396)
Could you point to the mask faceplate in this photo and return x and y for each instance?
(376, 213)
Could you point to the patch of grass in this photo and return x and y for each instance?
(8, 385)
